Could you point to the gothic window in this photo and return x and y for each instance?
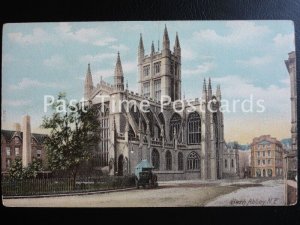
(157, 67)
(146, 70)
(225, 163)
(269, 153)
(168, 160)
(258, 162)
(175, 124)
(263, 162)
(146, 89)
(8, 162)
(264, 153)
(180, 161)
(38, 153)
(162, 121)
(17, 151)
(194, 128)
(8, 151)
(157, 89)
(232, 163)
(104, 137)
(193, 161)
(269, 161)
(155, 159)
(135, 113)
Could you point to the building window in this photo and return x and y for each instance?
(175, 124)
(8, 151)
(155, 159)
(146, 89)
(157, 67)
(225, 163)
(269, 161)
(194, 128)
(258, 154)
(157, 89)
(193, 161)
(258, 173)
(180, 161)
(269, 153)
(270, 173)
(102, 156)
(168, 160)
(264, 153)
(17, 151)
(38, 153)
(258, 162)
(232, 163)
(8, 163)
(264, 162)
(172, 68)
(17, 140)
(146, 70)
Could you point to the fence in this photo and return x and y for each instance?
(28, 187)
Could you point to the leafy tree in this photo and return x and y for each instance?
(74, 131)
(33, 168)
(16, 170)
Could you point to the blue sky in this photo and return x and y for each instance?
(244, 57)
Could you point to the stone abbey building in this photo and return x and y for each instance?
(181, 143)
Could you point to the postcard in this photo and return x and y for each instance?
(149, 114)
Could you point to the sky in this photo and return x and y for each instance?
(245, 57)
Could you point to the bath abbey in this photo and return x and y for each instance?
(181, 139)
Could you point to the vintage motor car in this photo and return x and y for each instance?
(144, 175)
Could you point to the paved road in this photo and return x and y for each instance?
(270, 193)
(169, 194)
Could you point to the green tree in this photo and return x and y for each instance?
(33, 168)
(16, 170)
(74, 132)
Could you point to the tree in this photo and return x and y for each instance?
(16, 170)
(33, 168)
(74, 132)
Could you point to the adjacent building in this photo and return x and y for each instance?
(180, 144)
(266, 157)
(21, 143)
(231, 161)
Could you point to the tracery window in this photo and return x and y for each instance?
(180, 161)
(193, 161)
(168, 160)
(175, 124)
(155, 159)
(194, 128)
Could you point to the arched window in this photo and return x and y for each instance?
(102, 158)
(225, 163)
(155, 159)
(180, 161)
(194, 128)
(232, 163)
(175, 124)
(168, 160)
(193, 161)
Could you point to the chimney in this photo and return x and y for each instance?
(17, 127)
(26, 152)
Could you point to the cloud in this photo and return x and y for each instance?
(255, 61)
(38, 36)
(16, 103)
(200, 69)
(188, 54)
(286, 41)
(55, 61)
(240, 32)
(98, 58)
(129, 67)
(276, 99)
(120, 48)
(94, 35)
(26, 83)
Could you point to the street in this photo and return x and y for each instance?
(172, 194)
